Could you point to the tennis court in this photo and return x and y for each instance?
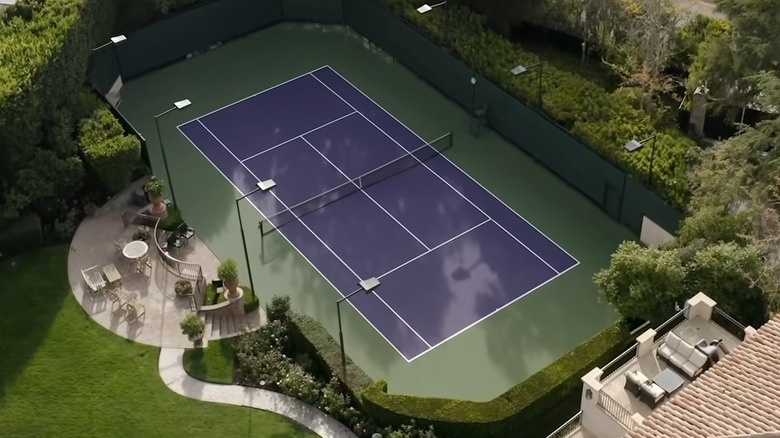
(378, 211)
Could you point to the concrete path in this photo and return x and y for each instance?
(171, 367)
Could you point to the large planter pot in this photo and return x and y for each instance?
(158, 205)
(196, 339)
(232, 287)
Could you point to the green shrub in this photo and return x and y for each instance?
(112, 155)
(251, 302)
(23, 235)
(278, 309)
(506, 414)
(44, 48)
(604, 120)
(309, 336)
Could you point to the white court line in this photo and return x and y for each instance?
(493, 312)
(253, 95)
(367, 195)
(446, 158)
(313, 233)
(298, 136)
(282, 202)
(433, 249)
(440, 177)
(296, 249)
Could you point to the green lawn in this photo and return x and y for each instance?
(213, 363)
(63, 375)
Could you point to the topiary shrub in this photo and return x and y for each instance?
(112, 155)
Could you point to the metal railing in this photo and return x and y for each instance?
(728, 323)
(568, 427)
(190, 271)
(671, 323)
(616, 410)
(612, 367)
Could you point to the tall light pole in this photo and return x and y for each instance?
(178, 105)
(520, 69)
(366, 286)
(634, 145)
(113, 41)
(260, 186)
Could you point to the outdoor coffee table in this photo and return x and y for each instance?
(112, 274)
(135, 249)
(669, 380)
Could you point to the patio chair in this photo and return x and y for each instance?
(117, 297)
(119, 246)
(479, 119)
(185, 231)
(135, 309)
(142, 264)
(94, 279)
(175, 240)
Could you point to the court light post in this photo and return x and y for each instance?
(181, 104)
(114, 41)
(635, 145)
(428, 8)
(243, 237)
(520, 69)
(341, 334)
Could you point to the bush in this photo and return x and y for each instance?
(183, 288)
(299, 384)
(142, 233)
(604, 120)
(192, 325)
(228, 271)
(65, 226)
(44, 52)
(112, 155)
(506, 414)
(155, 187)
(251, 302)
(278, 309)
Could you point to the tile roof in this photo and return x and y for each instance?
(738, 396)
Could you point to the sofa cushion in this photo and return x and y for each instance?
(669, 346)
(697, 358)
(666, 351)
(653, 390)
(690, 369)
(685, 349)
(678, 360)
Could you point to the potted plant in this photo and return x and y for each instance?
(228, 273)
(155, 188)
(142, 233)
(183, 288)
(193, 326)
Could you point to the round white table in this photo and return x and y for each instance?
(135, 249)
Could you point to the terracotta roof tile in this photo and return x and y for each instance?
(740, 396)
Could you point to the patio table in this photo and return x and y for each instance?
(135, 249)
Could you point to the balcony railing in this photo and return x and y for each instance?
(670, 324)
(568, 427)
(616, 410)
(728, 323)
(609, 369)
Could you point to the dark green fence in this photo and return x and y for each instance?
(619, 195)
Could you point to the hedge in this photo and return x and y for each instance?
(508, 413)
(604, 121)
(112, 155)
(312, 338)
(44, 51)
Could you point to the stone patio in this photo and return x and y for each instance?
(93, 244)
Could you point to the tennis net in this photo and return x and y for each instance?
(405, 162)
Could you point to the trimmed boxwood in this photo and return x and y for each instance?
(507, 413)
(310, 337)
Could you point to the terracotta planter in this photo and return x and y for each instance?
(232, 287)
(158, 204)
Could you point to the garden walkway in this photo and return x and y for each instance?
(92, 245)
(171, 367)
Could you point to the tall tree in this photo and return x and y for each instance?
(730, 63)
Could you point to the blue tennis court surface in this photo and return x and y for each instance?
(447, 252)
